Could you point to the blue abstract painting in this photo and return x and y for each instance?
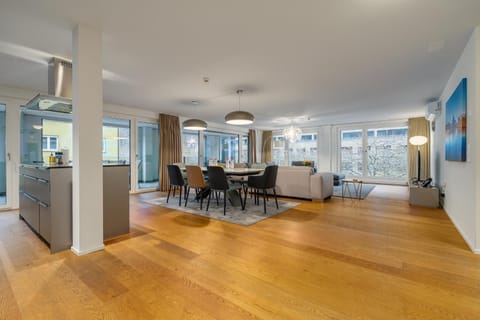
(456, 124)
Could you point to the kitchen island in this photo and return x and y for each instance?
(46, 202)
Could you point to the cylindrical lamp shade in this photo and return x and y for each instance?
(239, 118)
(194, 124)
(418, 140)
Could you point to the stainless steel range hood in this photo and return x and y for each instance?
(59, 89)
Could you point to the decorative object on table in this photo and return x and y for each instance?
(366, 189)
(292, 134)
(456, 124)
(194, 124)
(239, 117)
(418, 141)
(251, 215)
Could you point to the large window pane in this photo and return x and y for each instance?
(304, 149)
(244, 153)
(116, 140)
(220, 147)
(147, 154)
(278, 150)
(351, 159)
(190, 147)
(387, 152)
(3, 158)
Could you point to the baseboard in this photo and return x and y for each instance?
(462, 233)
(84, 252)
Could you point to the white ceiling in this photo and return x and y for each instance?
(307, 61)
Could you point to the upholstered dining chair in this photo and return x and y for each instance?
(196, 180)
(218, 182)
(176, 181)
(264, 182)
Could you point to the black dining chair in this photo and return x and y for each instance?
(264, 182)
(176, 181)
(218, 182)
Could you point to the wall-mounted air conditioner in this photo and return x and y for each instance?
(434, 109)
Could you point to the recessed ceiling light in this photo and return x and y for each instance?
(206, 79)
(195, 102)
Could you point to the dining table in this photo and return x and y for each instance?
(239, 172)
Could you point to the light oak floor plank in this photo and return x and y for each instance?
(378, 258)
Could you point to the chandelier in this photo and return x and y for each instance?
(292, 134)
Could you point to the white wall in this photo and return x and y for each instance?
(461, 180)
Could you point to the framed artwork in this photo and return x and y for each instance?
(456, 124)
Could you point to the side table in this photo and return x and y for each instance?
(356, 186)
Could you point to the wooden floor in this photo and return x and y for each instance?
(373, 259)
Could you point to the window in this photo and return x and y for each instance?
(190, 147)
(220, 147)
(244, 148)
(379, 153)
(148, 138)
(284, 152)
(116, 140)
(50, 143)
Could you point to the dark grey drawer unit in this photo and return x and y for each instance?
(46, 203)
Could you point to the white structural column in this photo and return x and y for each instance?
(87, 189)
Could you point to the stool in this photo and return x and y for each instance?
(337, 178)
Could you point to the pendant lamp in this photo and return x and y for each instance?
(194, 124)
(239, 117)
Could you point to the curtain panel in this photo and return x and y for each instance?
(170, 146)
(419, 127)
(267, 146)
(252, 146)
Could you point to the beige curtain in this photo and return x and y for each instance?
(267, 146)
(419, 127)
(170, 146)
(252, 146)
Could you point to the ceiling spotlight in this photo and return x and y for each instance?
(194, 124)
(239, 117)
(195, 102)
(206, 79)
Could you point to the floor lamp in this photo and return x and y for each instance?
(418, 141)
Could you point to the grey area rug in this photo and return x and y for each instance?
(251, 215)
(366, 189)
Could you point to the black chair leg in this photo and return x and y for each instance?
(187, 192)
(224, 202)
(180, 197)
(174, 189)
(264, 201)
(216, 196)
(168, 195)
(208, 202)
(275, 195)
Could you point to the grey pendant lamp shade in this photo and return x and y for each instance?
(194, 124)
(239, 117)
